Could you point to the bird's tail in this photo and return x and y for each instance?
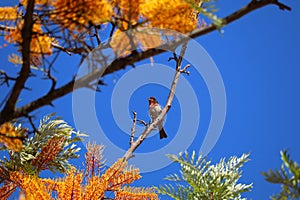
(162, 133)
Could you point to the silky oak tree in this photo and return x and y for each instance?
(41, 31)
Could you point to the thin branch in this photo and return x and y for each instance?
(159, 119)
(30, 119)
(121, 63)
(184, 70)
(7, 28)
(53, 80)
(133, 128)
(61, 48)
(70, 51)
(142, 122)
(97, 36)
(4, 78)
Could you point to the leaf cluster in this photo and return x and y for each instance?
(50, 148)
(288, 176)
(199, 179)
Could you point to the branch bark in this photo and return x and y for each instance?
(133, 129)
(9, 112)
(25, 70)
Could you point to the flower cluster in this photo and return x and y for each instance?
(79, 14)
(75, 186)
(40, 42)
(169, 14)
(8, 13)
(11, 136)
(136, 194)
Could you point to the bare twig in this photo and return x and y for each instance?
(97, 35)
(142, 122)
(184, 70)
(53, 80)
(4, 78)
(133, 128)
(30, 119)
(61, 48)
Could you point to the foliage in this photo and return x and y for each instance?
(41, 30)
(82, 185)
(200, 179)
(288, 176)
(50, 148)
(70, 22)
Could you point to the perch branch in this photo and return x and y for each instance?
(134, 145)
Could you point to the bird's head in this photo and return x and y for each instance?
(152, 100)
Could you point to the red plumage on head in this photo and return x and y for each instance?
(152, 99)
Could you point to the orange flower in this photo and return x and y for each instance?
(128, 10)
(40, 43)
(11, 136)
(122, 43)
(169, 14)
(34, 188)
(70, 188)
(95, 188)
(93, 159)
(48, 153)
(8, 13)
(75, 15)
(37, 2)
(136, 194)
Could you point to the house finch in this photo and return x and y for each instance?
(154, 111)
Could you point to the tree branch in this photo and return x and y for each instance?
(25, 71)
(138, 56)
(117, 64)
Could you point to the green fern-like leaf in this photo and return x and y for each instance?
(50, 128)
(288, 176)
(199, 179)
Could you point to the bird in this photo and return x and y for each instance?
(154, 110)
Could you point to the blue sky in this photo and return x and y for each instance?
(258, 60)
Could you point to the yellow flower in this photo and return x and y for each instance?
(8, 13)
(77, 14)
(11, 136)
(136, 193)
(169, 14)
(40, 43)
(123, 43)
(37, 2)
(128, 10)
(34, 188)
